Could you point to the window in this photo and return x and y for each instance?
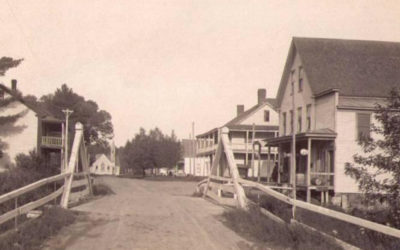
(308, 125)
(102, 167)
(299, 119)
(291, 121)
(266, 115)
(301, 73)
(284, 122)
(292, 81)
(363, 125)
(97, 167)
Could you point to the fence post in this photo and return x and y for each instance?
(71, 164)
(16, 217)
(242, 201)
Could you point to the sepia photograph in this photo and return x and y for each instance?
(199, 125)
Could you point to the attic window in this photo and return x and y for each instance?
(301, 76)
(266, 115)
(292, 80)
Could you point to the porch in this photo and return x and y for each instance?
(315, 161)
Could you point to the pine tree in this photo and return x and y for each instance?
(7, 123)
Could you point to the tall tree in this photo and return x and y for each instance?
(377, 171)
(7, 123)
(97, 124)
(152, 150)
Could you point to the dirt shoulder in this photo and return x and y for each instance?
(149, 215)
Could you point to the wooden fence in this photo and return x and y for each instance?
(84, 183)
(234, 183)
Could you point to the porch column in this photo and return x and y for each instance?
(309, 171)
(279, 162)
(247, 147)
(269, 163)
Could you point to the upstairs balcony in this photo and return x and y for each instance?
(52, 141)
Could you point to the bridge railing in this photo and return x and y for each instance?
(78, 151)
(232, 184)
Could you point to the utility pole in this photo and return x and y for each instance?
(67, 113)
(190, 153)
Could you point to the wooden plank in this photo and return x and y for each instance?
(30, 206)
(271, 216)
(79, 183)
(215, 165)
(348, 218)
(267, 190)
(71, 165)
(239, 191)
(218, 178)
(31, 187)
(85, 165)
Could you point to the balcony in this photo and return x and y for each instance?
(248, 147)
(52, 141)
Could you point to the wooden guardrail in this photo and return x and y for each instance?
(78, 149)
(32, 205)
(269, 191)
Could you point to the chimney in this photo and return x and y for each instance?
(262, 96)
(13, 85)
(240, 109)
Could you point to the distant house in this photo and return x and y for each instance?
(264, 118)
(107, 164)
(329, 89)
(34, 129)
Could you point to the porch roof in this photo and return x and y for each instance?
(321, 134)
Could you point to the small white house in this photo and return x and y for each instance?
(106, 165)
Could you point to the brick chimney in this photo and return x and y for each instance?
(13, 85)
(240, 109)
(262, 96)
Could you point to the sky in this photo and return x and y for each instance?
(169, 63)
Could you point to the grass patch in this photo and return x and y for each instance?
(102, 189)
(31, 234)
(350, 233)
(253, 224)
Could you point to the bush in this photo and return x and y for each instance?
(31, 234)
(102, 189)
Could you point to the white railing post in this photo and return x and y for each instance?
(242, 200)
(71, 165)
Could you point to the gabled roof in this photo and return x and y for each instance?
(46, 116)
(235, 121)
(353, 67)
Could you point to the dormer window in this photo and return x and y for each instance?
(301, 76)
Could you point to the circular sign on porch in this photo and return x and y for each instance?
(304, 152)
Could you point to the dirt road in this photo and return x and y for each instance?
(149, 215)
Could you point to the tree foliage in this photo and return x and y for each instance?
(7, 123)
(377, 171)
(154, 150)
(97, 124)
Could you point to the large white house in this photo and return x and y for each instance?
(264, 119)
(106, 164)
(329, 89)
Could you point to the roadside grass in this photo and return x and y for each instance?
(254, 225)
(32, 233)
(347, 232)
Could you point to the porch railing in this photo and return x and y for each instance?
(52, 141)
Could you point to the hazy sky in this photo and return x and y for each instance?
(171, 63)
